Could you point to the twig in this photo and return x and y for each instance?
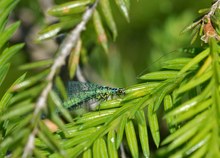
(122, 150)
(208, 29)
(79, 74)
(64, 50)
(213, 8)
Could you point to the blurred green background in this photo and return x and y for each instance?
(152, 34)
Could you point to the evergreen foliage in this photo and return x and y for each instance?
(184, 92)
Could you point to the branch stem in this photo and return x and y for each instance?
(213, 8)
(64, 50)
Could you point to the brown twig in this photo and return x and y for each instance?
(208, 29)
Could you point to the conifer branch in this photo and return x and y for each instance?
(64, 50)
(213, 8)
(209, 30)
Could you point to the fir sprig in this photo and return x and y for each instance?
(6, 53)
(186, 90)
